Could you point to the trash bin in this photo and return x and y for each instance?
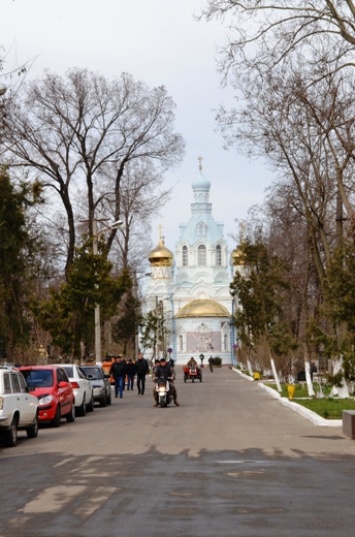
(256, 375)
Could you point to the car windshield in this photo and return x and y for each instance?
(92, 373)
(41, 378)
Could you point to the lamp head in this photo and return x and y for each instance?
(117, 224)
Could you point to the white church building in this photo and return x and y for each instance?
(190, 289)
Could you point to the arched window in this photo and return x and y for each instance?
(201, 255)
(185, 259)
(218, 255)
(225, 342)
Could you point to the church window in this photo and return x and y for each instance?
(218, 255)
(201, 255)
(201, 229)
(225, 343)
(185, 259)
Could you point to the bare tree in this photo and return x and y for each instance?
(142, 196)
(268, 37)
(274, 123)
(265, 32)
(72, 131)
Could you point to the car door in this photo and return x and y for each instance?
(87, 385)
(20, 399)
(31, 402)
(65, 391)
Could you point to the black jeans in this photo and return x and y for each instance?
(141, 383)
(130, 382)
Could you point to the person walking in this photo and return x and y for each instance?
(142, 369)
(118, 371)
(210, 362)
(131, 373)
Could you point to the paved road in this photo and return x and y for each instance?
(230, 461)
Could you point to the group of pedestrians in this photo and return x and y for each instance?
(123, 370)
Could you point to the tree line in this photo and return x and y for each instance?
(291, 64)
(78, 153)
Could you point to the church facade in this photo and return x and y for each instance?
(189, 290)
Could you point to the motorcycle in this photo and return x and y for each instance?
(163, 391)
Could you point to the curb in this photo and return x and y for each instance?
(304, 412)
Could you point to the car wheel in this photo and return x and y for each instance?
(32, 431)
(70, 417)
(90, 406)
(103, 401)
(81, 410)
(56, 420)
(10, 437)
(109, 398)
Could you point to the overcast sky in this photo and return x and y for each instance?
(160, 43)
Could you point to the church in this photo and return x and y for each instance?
(189, 290)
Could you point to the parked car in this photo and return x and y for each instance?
(18, 408)
(100, 383)
(82, 387)
(50, 383)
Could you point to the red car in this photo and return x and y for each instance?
(51, 385)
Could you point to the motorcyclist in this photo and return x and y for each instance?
(165, 371)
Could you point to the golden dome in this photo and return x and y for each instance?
(203, 308)
(161, 256)
(237, 257)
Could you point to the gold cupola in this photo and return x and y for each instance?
(202, 308)
(161, 256)
(237, 257)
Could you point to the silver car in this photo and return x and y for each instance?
(100, 382)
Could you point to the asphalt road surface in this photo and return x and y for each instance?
(230, 461)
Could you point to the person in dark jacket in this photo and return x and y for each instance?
(165, 371)
(131, 373)
(118, 371)
(142, 369)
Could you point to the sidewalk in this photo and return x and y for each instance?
(305, 412)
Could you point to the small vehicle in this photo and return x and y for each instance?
(100, 383)
(82, 387)
(162, 388)
(192, 373)
(18, 408)
(51, 385)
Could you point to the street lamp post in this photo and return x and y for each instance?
(95, 237)
(159, 336)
